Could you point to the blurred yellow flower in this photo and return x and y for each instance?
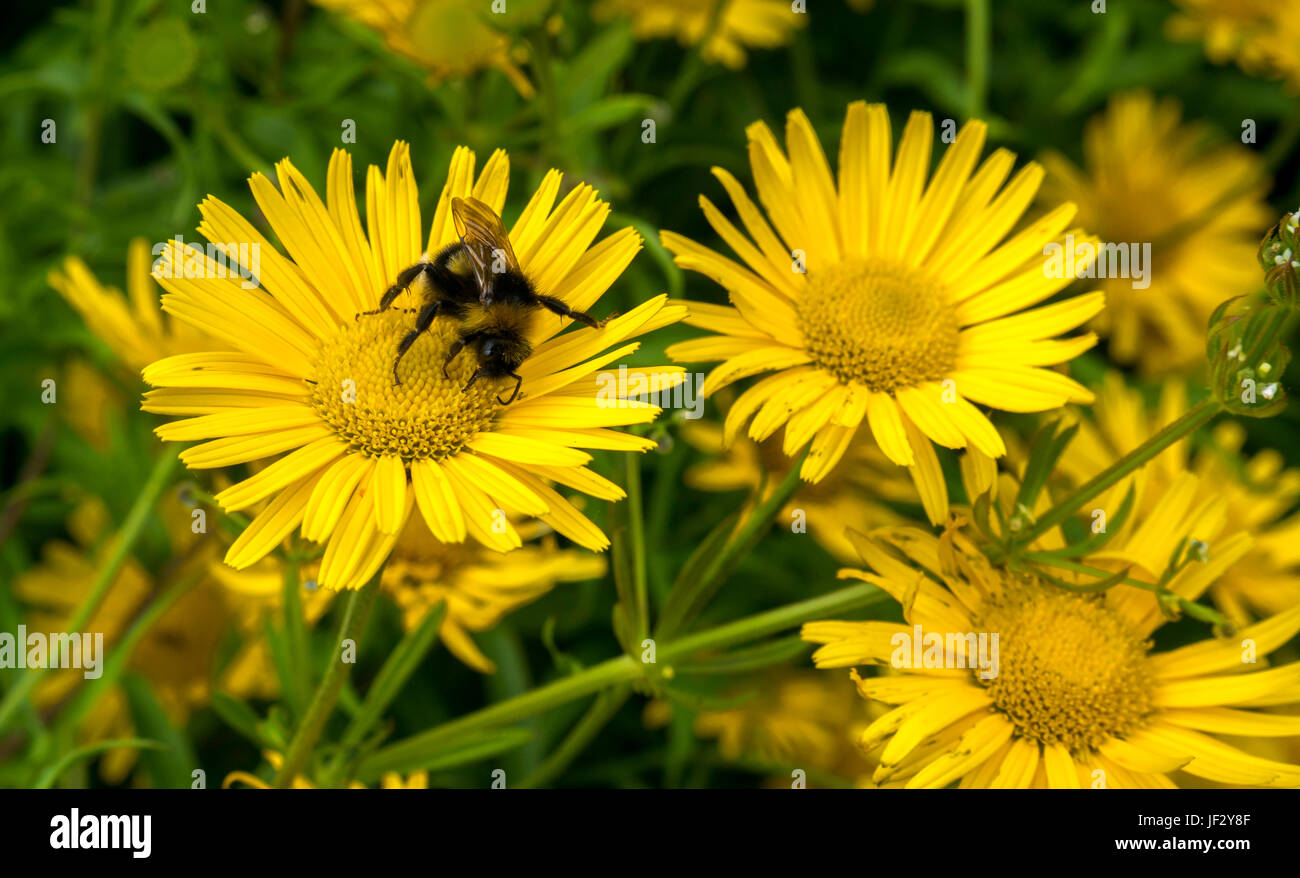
(1262, 36)
(133, 326)
(883, 302)
(479, 586)
(800, 719)
(177, 654)
(854, 491)
(449, 38)
(1150, 180)
(739, 24)
(90, 397)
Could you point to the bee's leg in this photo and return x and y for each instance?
(519, 382)
(422, 322)
(404, 280)
(456, 348)
(476, 376)
(556, 306)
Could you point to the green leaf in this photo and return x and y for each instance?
(607, 113)
(1096, 541)
(296, 643)
(1045, 449)
(586, 76)
(294, 696)
(750, 659)
(397, 669)
(171, 765)
(934, 74)
(117, 661)
(698, 700)
(240, 717)
(450, 755)
(1100, 584)
(51, 774)
(513, 678)
(681, 596)
(567, 663)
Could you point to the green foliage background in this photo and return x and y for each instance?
(157, 106)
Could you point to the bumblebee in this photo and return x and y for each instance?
(478, 283)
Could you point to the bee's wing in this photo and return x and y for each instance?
(485, 239)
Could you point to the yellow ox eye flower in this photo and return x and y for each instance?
(1191, 216)
(880, 302)
(449, 38)
(1262, 36)
(999, 679)
(723, 29)
(306, 376)
(132, 326)
(477, 586)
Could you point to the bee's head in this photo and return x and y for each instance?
(500, 355)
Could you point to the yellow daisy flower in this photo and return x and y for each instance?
(1071, 693)
(1262, 36)
(449, 38)
(306, 374)
(132, 326)
(479, 586)
(1256, 492)
(853, 491)
(740, 24)
(882, 300)
(1149, 180)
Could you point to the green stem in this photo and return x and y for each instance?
(234, 522)
(1191, 608)
(116, 663)
(397, 669)
(977, 56)
(88, 155)
(1144, 453)
(636, 531)
(679, 611)
(50, 775)
(1279, 326)
(120, 549)
(336, 672)
(601, 712)
(295, 635)
(688, 75)
(407, 754)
